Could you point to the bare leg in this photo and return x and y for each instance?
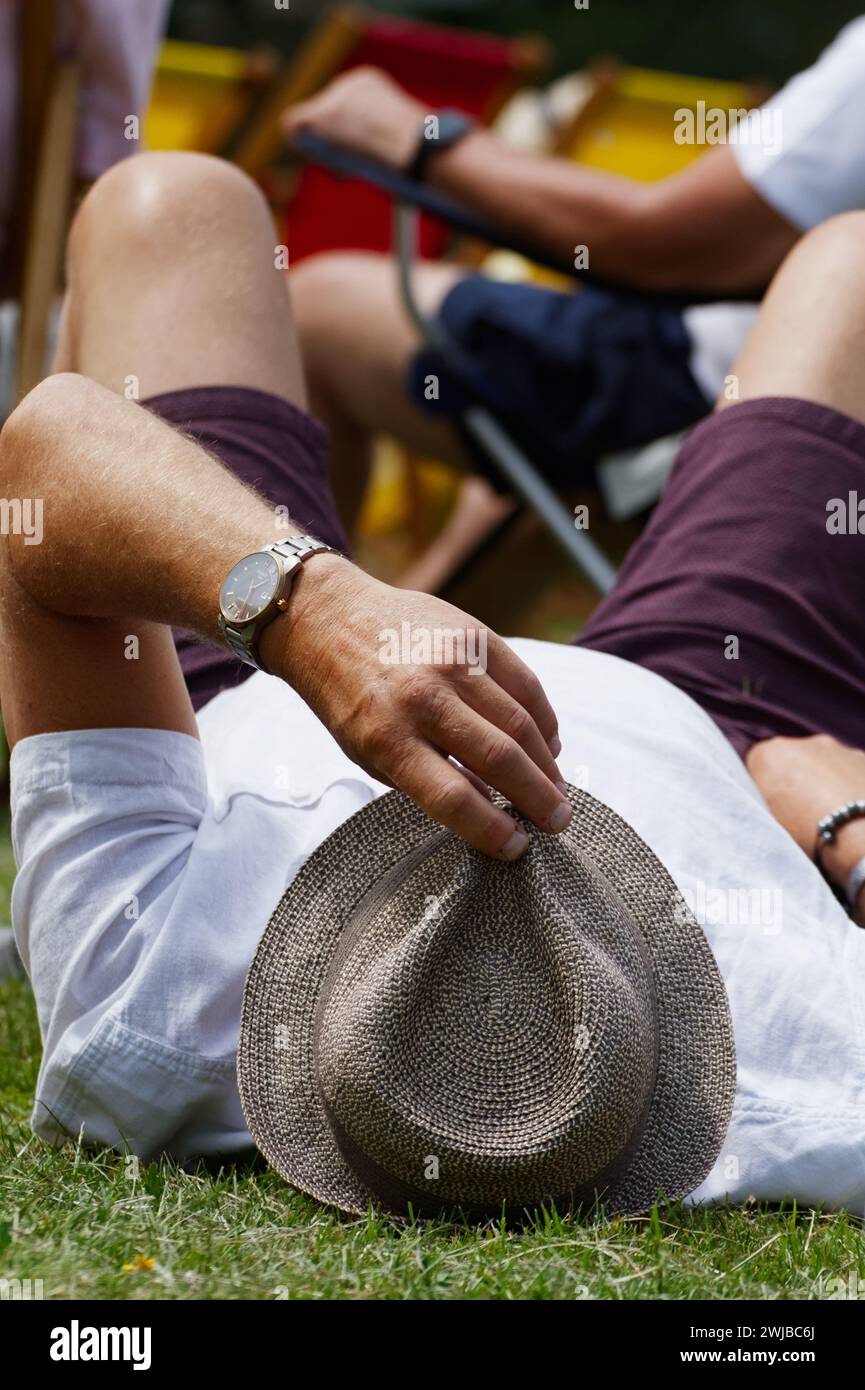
(479, 510)
(357, 343)
(172, 283)
(809, 340)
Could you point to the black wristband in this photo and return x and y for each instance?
(449, 127)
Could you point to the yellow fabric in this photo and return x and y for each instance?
(198, 96)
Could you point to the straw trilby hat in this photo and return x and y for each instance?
(427, 1028)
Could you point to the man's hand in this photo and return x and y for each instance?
(402, 720)
(366, 111)
(804, 779)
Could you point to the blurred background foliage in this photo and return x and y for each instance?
(735, 39)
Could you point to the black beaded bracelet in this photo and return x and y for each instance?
(828, 827)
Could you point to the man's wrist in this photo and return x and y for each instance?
(840, 858)
(439, 132)
(321, 581)
(459, 158)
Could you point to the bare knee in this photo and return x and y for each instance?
(836, 245)
(351, 299)
(165, 203)
(329, 287)
(339, 301)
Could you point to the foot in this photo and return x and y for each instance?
(478, 511)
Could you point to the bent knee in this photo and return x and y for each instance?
(163, 199)
(352, 287)
(840, 240)
(335, 298)
(324, 281)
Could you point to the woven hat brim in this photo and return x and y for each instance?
(696, 1077)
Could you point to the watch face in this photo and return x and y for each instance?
(249, 588)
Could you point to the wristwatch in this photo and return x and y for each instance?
(438, 135)
(257, 589)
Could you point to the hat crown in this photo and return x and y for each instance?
(487, 1032)
(338, 991)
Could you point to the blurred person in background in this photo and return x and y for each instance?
(573, 376)
(116, 45)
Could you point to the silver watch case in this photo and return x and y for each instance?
(243, 638)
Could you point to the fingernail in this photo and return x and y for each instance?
(516, 845)
(560, 817)
(555, 745)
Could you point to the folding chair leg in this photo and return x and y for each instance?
(528, 485)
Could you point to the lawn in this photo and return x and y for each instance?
(102, 1227)
(97, 1227)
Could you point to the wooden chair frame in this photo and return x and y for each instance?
(44, 183)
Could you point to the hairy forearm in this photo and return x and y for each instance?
(139, 521)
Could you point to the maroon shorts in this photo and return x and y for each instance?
(745, 589)
(275, 448)
(737, 591)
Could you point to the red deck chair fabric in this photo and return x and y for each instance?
(441, 67)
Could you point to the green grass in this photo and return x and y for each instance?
(89, 1227)
(98, 1227)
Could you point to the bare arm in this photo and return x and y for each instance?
(704, 228)
(804, 779)
(141, 526)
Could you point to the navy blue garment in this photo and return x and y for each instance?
(570, 376)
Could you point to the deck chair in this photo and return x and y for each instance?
(479, 423)
(441, 66)
(200, 97)
(42, 197)
(203, 96)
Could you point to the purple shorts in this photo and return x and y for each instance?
(739, 591)
(275, 448)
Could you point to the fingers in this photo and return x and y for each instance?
(296, 118)
(493, 703)
(514, 676)
(490, 752)
(357, 86)
(450, 798)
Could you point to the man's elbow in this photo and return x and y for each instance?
(51, 407)
(28, 462)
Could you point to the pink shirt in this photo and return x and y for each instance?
(116, 42)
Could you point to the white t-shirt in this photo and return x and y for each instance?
(150, 863)
(804, 153)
